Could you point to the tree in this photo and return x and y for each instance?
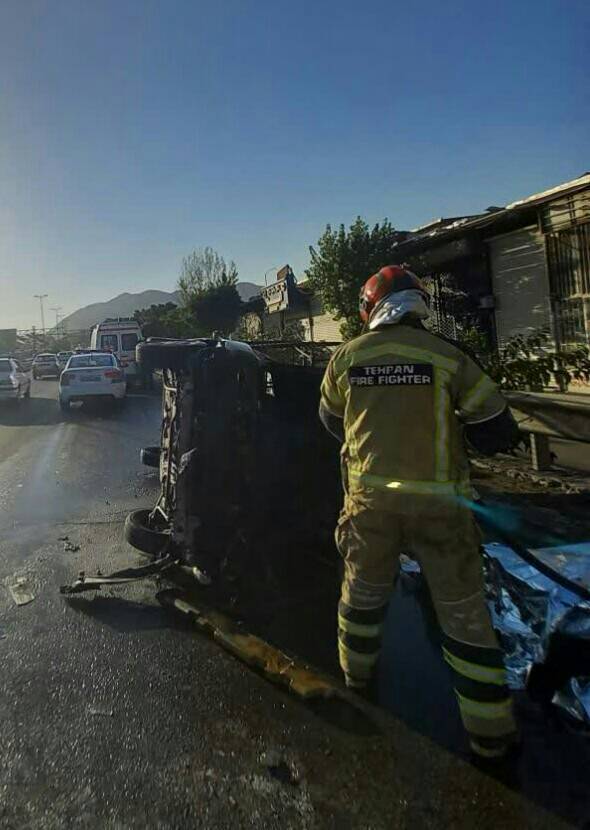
(163, 320)
(343, 261)
(208, 292)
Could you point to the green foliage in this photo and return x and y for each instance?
(215, 309)
(163, 320)
(529, 362)
(343, 260)
(209, 297)
(203, 269)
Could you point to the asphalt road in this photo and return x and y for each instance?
(116, 715)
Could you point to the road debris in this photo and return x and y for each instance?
(279, 768)
(102, 712)
(20, 590)
(71, 548)
(274, 663)
(63, 538)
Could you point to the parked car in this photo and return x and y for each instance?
(120, 336)
(91, 376)
(45, 365)
(15, 384)
(62, 359)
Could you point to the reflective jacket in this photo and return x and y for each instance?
(403, 394)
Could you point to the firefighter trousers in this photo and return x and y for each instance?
(447, 546)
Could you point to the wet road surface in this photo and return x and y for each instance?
(116, 715)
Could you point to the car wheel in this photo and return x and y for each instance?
(141, 536)
(150, 456)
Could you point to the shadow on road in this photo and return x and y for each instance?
(126, 616)
(31, 412)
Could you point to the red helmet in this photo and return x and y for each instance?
(389, 279)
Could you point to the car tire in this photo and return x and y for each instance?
(150, 456)
(142, 537)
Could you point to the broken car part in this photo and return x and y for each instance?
(94, 583)
(274, 663)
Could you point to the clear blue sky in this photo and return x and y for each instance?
(132, 131)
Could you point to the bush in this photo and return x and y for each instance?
(529, 362)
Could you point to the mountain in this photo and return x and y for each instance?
(125, 305)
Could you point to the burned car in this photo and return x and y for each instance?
(249, 479)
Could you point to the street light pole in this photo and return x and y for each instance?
(41, 297)
(57, 309)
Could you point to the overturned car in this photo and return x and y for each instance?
(247, 474)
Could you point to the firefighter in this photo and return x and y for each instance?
(404, 402)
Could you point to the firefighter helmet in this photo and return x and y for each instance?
(387, 280)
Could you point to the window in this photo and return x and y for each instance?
(128, 342)
(5, 367)
(109, 342)
(87, 361)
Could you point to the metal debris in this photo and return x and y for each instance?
(20, 590)
(275, 664)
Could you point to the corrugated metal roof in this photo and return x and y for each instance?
(497, 217)
(546, 195)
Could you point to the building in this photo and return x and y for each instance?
(287, 309)
(510, 270)
(513, 269)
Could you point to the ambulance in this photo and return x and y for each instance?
(119, 335)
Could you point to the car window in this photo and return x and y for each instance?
(109, 342)
(5, 366)
(87, 361)
(128, 342)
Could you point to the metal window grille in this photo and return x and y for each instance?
(568, 256)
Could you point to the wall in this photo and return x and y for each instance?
(519, 282)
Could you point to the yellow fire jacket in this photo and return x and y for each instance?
(403, 394)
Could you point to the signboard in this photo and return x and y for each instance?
(276, 296)
(7, 340)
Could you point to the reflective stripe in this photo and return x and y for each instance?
(483, 389)
(358, 629)
(488, 752)
(435, 488)
(442, 413)
(393, 350)
(349, 657)
(487, 711)
(485, 674)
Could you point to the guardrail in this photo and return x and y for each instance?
(546, 415)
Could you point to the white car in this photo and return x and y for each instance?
(45, 365)
(14, 383)
(91, 376)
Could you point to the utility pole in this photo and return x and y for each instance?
(57, 309)
(41, 297)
